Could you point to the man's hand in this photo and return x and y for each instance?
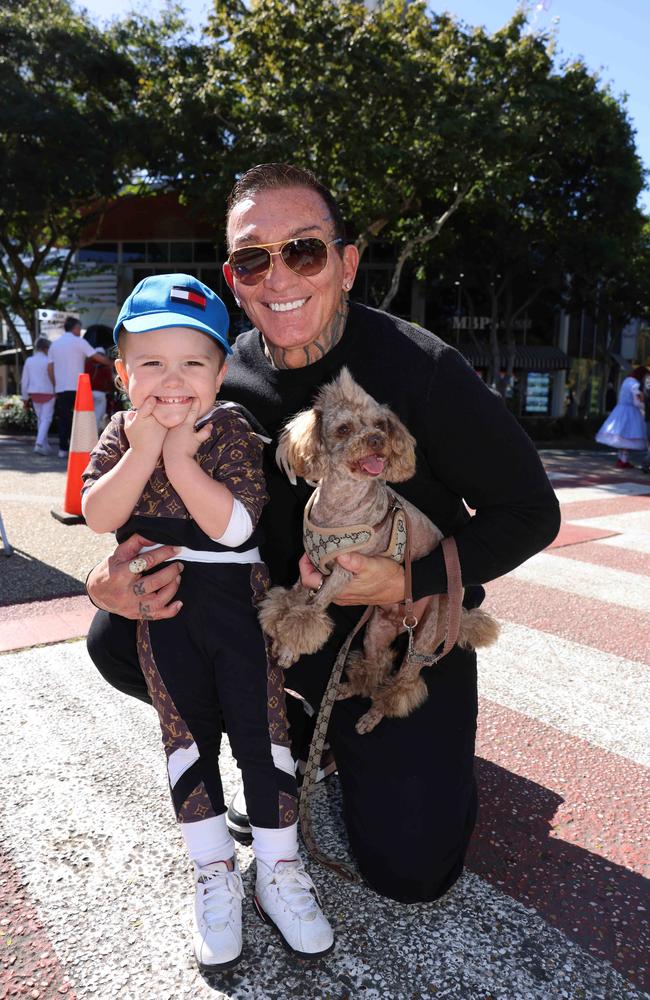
(376, 580)
(143, 432)
(183, 441)
(113, 587)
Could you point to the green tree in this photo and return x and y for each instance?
(388, 107)
(71, 139)
(566, 207)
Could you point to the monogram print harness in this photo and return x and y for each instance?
(323, 545)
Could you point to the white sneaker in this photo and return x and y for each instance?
(217, 915)
(286, 897)
(62, 453)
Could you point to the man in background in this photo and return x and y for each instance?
(68, 357)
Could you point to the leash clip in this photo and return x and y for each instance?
(410, 624)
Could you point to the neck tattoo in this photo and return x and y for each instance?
(281, 357)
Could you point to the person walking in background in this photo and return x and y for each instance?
(37, 388)
(68, 356)
(625, 427)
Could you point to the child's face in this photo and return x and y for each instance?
(175, 366)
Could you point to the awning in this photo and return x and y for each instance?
(540, 358)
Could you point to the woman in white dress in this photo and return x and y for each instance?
(625, 427)
(36, 386)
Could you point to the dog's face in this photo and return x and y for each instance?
(348, 432)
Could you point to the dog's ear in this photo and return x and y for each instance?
(401, 461)
(300, 451)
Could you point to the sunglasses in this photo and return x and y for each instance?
(305, 257)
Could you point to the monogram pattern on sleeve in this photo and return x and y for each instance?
(107, 452)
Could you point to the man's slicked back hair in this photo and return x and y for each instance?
(275, 176)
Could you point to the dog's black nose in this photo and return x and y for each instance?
(375, 440)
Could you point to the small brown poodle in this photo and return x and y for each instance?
(350, 445)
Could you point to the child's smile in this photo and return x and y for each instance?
(176, 366)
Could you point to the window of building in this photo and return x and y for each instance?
(99, 253)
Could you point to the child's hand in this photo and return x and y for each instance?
(183, 441)
(144, 433)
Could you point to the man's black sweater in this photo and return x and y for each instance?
(469, 448)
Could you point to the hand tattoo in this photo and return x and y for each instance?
(138, 588)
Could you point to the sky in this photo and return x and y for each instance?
(611, 36)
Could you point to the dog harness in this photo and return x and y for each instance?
(323, 545)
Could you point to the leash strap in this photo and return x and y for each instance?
(342, 868)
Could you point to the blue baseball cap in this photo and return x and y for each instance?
(165, 300)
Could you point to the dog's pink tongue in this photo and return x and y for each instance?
(373, 465)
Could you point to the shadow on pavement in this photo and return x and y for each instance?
(27, 579)
(18, 455)
(600, 905)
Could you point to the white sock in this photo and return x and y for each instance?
(208, 840)
(270, 846)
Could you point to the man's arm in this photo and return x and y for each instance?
(102, 358)
(50, 372)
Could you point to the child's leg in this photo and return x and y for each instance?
(186, 702)
(249, 685)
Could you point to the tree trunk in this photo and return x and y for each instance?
(421, 240)
(13, 330)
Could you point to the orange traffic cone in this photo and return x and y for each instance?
(82, 441)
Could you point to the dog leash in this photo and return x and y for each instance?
(454, 610)
(342, 868)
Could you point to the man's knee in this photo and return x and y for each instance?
(419, 865)
(397, 878)
(111, 647)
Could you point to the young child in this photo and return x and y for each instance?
(182, 469)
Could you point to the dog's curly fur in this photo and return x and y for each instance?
(351, 446)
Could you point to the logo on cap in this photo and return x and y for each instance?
(189, 296)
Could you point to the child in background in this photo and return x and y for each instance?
(182, 469)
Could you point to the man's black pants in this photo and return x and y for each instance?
(64, 413)
(409, 794)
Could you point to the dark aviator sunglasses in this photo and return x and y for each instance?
(304, 256)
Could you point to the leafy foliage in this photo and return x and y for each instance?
(71, 136)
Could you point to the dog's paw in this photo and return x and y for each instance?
(369, 720)
(477, 628)
(298, 630)
(401, 697)
(285, 657)
(273, 611)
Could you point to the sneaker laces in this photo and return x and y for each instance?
(295, 888)
(220, 889)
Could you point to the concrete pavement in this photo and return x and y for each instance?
(96, 890)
